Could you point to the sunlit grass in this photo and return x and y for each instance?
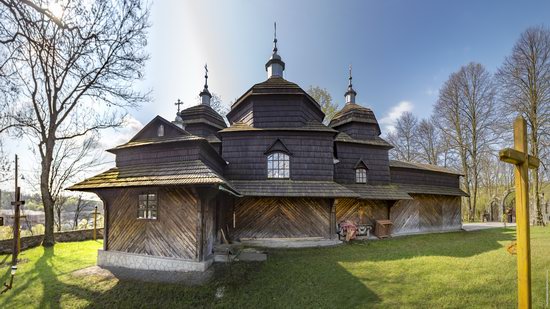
(460, 270)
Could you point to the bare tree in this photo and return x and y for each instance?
(524, 80)
(323, 97)
(73, 70)
(428, 141)
(403, 138)
(81, 206)
(59, 207)
(465, 113)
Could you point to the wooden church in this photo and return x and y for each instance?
(275, 172)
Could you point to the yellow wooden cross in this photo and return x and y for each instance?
(522, 161)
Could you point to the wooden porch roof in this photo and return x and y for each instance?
(291, 188)
(193, 172)
(429, 189)
(381, 192)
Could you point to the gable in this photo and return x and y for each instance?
(151, 130)
(361, 164)
(277, 146)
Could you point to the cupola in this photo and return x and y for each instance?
(275, 65)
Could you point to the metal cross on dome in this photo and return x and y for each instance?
(178, 103)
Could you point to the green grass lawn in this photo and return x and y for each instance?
(461, 270)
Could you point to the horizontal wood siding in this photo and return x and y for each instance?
(283, 111)
(426, 213)
(359, 130)
(361, 211)
(280, 218)
(157, 154)
(242, 113)
(423, 177)
(376, 159)
(201, 129)
(311, 158)
(173, 234)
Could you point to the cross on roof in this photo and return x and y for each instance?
(178, 103)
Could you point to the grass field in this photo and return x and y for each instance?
(455, 270)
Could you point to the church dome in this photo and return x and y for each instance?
(353, 112)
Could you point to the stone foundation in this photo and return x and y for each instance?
(148, 262)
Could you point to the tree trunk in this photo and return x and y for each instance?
(47, 198)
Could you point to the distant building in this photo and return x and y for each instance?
(276, 172)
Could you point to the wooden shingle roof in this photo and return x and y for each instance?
(161, 174)
(424, 167)
(376, 141)
(202, 114)
(291, 188)
(380, 192)
(274, 85)
(313, 126)
(429, 189)
(352, 112)
(156, 141)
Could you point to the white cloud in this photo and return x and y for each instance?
(388, 121)
(113, 137)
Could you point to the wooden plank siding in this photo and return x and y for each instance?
(375, 157)
(423, 177)
(280, 218)
(426, 213)
(311, 154)
(350, 209)
(173, 234)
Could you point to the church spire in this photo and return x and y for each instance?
(275, 65)
(205, 94)
(350, 94)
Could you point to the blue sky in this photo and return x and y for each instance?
(401, 51)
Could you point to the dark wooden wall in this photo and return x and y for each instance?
(173, 234)
(351, 209)
(311, 158)
(276, 111)
(201, 129)
(349, 154)
(423, 177)
(157, 154)
(426, 213)
(360, 130)
(280, 218)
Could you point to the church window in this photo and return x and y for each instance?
(361, 175)
(147, 207)
(278, 165)
(160, 131)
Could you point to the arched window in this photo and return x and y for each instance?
(278, 165)
(160, 131)
(360, 175)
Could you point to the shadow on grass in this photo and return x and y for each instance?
(452, 244)
(52, 288)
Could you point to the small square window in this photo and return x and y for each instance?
(278, 165)
(147, 206)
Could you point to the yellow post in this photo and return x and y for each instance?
(522, 161)
(521, 175)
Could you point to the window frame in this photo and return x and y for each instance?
(149, 209)
(361, 175)
(274, 161)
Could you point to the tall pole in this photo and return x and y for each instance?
(16, 205)
(522, 163)
(521, 174)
